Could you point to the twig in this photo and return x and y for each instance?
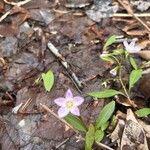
(56, 116)
(104, 146)
(18, 3)
(63, 121)
(129, 15)
(5, 15)
(130, 11)
(65, 64)
(62, 143)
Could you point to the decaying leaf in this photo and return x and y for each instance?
(117, 133)
(133, 135)
(1, 6)
(145, 54)
(143, 44)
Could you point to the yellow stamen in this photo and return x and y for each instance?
(69, 104)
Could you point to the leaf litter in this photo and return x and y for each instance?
(24, 56)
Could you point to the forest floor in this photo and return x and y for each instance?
(78, 29)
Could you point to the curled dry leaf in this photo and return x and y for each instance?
(124, 101)
(133, 135)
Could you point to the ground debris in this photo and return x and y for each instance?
(101, 9)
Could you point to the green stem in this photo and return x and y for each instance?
(121, 82)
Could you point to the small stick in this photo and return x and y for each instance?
(5, 15)
(104, 146)
(62, 143)
(130, 11)
(17, 4)
(65, 64)
(56, 116)
(129, 15)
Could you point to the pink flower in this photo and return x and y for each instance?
(69, 104)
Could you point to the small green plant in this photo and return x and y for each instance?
(48, 80)
(119, 57)
(92, 133)
(69, 104)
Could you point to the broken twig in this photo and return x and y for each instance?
(66, 65)
(129, 15)
(128, 8)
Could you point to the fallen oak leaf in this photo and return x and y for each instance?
(133, 135)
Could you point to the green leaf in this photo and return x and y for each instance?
(134, 77)
(110, 41)
(99, 135)
(133, 63)
(48, 80)
(90, 137)
(105, 93)
(105, 126)
(143, 112)
(107, 57)
(118, 52)
(105, 114)
(76, 122)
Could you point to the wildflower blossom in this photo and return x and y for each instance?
(69, 104)
(132, 47)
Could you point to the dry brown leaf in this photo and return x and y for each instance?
(19, 15)
(136, 32)
(117, 133)
(133, 135)
(8, 30)
(144, 44)
(124, 101)
(144, 54)
(1, 6)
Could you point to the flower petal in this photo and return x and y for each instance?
(78, 100)
(62, 112)
(60, 101)
(75, 111)
(126, 45)
(68, 94)
(132, 44)
(137, 49)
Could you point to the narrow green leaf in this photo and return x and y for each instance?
(107, 57)
(105, 114)
(105, 93)
(105, 126)
(110, 41)
(48, 80)
(133, 63)
(90, 137)
(134, 77)
(99, 135)
(118, 52)
(76, 122)
(143, 112)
